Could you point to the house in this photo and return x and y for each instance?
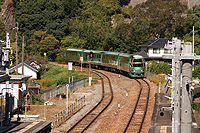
(17, 86)
(28, 70)
(156, 49)
(35, 64)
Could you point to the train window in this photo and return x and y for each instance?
(136, 60)
(98, 56)
(138, 65)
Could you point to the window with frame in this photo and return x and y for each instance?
(167, 51)
(156, 50)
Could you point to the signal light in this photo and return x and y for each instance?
(91, 54)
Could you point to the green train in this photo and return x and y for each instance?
(129, 64)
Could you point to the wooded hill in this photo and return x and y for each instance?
(52, 26)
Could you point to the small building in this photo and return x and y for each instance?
(156, 49)
(28, 70)
(17, 86)
(35, 64)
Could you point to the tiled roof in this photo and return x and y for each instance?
(29, 66)
(142, 53)
(159, 43)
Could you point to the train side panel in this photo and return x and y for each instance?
(73, 55)
(110, 59)
(123, 64)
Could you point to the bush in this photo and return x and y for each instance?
(160, 68)
(45, 83)
(196, 72)
(54, 75)
(196, 106)
(37, 100)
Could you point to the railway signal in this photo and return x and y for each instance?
(91, 54)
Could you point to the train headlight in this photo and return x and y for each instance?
(141, 70)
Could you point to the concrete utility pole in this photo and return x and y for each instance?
(16, 50)
(177, 88)
(175, 46)
(23, 56)
(186, 112)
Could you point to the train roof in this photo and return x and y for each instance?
(111, 53)
(130, 55)
(77, 50)
(126, 55)
(137, 56)
(96, 52)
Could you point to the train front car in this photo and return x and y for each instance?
(137, 66)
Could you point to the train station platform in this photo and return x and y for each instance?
(161, 121)
(26, 127)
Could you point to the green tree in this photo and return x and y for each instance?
(49, 46)
(165, 17)
(3, 30)
(160, 68)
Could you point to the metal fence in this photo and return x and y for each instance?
(47, 94)
(65, 114)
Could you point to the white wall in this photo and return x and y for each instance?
(27, 72)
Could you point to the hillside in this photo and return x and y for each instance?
(190, 3)
(49, 27)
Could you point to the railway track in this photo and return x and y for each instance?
(107, 97)
(137, 118)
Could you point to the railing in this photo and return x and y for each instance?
(46, 94)
(65, 114)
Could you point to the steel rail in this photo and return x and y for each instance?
(139, 103)
(91, 116)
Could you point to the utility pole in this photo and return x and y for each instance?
(90, 78)
(175, 46)
(185, 124)
(177, 120)
(16, 50)
(186, 112)
(23, 56)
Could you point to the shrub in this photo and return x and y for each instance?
(196, 106)
(37, 100)
(160, 68)
(196, 72)
(45, 83)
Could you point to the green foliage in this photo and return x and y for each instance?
(165, 17)
(193, 19)
(37, 100)
(54, 75)
(196, 72)
(49, 26)
(160, 68)
(196, 106)
(3, 31)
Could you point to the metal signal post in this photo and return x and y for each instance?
(182, 53)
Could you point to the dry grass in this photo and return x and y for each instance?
(50, 110)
